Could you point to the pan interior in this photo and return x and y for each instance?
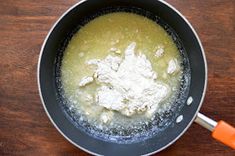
(135, 134)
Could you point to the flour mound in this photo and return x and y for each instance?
(128, 85)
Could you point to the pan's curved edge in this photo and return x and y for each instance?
(90, 152)
(38, 78)
(206, 77)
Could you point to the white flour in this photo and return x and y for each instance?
(85, 80)
(172, 66)
(159, 52)
(128, 85)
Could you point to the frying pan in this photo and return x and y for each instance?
(187, 108)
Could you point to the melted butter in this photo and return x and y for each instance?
(111, 34)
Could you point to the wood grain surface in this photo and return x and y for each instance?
(24, 127)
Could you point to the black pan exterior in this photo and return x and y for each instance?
(47, 77)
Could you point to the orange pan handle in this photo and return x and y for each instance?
(225, 133)
(221, 130)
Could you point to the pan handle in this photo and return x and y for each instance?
(221, 130)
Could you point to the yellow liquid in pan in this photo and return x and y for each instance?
(94, 41)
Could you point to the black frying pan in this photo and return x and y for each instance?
(194, 85)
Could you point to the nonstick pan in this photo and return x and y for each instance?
(187, 104)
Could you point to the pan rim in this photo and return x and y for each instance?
(93, 153)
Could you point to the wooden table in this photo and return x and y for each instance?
(24, 127)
